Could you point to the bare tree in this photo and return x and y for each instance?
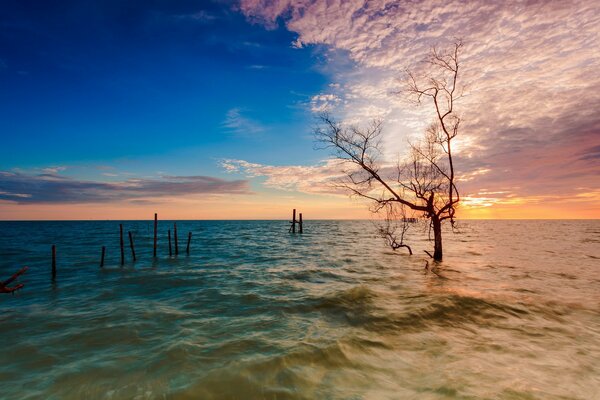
(424, 183)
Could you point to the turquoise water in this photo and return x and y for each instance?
(253, 312)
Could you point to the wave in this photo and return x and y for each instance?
(362, 306)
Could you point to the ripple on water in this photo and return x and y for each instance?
(257, 313)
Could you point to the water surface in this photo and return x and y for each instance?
(253, 312)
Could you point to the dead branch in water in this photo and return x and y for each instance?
(5, 289)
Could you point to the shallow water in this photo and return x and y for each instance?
(253, 312)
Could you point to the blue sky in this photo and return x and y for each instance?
(150, 86)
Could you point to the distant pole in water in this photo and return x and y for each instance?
(122, 250)
(102, 257)
(294, 221)
(131, 244)
(300, 224)
(155, 228)
(170, 249)
(175, 238)
(53, 262)
(187, 249)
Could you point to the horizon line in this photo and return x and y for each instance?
(286, 219)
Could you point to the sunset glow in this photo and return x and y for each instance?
(206, 110)
(300, 199)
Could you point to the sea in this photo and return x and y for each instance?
(256, 312)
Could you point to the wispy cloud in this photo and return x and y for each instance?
(53, 170)
(52, 188)
(201, 16)
(323, 102)
(257, 67)
(313, 179)
(241, 125)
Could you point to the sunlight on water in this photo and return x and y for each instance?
(257, 313)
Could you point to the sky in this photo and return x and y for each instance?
(206, 109)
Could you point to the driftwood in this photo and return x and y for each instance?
(5, 289)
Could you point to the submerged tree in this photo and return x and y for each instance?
(422, 185)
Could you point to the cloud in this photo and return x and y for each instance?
(240, 125)
(323, 102)
(257, 66)
(533, 90)
(53, 170)
(201, 16)
(314, 179)
(52, 188)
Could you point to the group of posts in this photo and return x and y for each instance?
(294, 222)
(132, 246)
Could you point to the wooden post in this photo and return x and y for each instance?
(294, 221)
(53, 262)
(170, 249)
(155, 228)
(187, 249)
(131, 244)
(300, 224)
(121, 240)
(175, 238)
(102, 257)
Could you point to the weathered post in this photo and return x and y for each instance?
(294, 221)
(121, 241)
(187, 249)
(300, 224)
(155, 228)
(175, 238)
(131, 244)
(53, 262)
(102, 257)
(170, 249)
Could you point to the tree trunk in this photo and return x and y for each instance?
(437, 238)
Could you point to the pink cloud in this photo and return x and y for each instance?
(530, 116)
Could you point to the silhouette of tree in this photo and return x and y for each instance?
(422, 185)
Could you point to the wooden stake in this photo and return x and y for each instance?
(102, 257)
(121, 239)
(187, 250)
(170, 250)
(155, 228)
(131, 244)
(300, 224)
(175, 238)
(53, 262)
(294, 221)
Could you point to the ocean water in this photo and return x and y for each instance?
(254, 312)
